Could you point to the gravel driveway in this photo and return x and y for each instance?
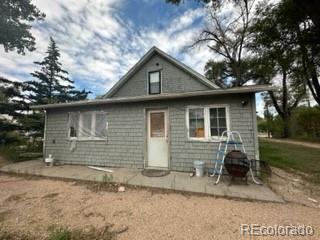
(33, 205)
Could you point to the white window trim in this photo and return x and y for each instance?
(148, 81)
(207, 137)
(188, 127)
(93, 125)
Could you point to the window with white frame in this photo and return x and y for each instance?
(154, 82)
(87, 125)
(207, 123)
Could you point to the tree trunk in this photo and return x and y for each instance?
(314, 78)
(286, 126)
(237, 74)
(310, 70)
(285, 109)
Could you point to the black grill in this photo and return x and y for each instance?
(237, 163)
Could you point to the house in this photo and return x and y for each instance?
(161, 114)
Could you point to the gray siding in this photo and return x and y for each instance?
(126, 135)
(174, 80)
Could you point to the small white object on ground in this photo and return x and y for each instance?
(101, 169)
(49, 160)
(312, 200)
(121, 189)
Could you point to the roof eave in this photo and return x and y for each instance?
(238, 90)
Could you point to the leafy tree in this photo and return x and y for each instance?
(311, 9)
(301, 37)
(16, 17)
(271, 43)
(301, 22)
(305, 37)
(307, 122)
(226, 35)
(217, 72)
(253, 69)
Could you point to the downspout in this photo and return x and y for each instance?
(255, 132)
(255, 127)
(44, 135)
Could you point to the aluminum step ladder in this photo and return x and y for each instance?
(228, 139)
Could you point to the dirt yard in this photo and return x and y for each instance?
(34, 205)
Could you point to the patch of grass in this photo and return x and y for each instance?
(107, 178)
(63, 233)
(292, 157)
(60, 234)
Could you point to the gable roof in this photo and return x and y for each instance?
(169, 58)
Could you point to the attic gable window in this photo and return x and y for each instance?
(154, 82)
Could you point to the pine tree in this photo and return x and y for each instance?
(53, 84)
(16, 19)
(12, 108)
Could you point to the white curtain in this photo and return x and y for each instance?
(73, 124)
(100, 130)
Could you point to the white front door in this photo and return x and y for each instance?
(157, 139)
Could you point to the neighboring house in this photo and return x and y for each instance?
(161, 114)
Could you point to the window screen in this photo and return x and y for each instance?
(196, 122)
(154, 83)
(218, 121)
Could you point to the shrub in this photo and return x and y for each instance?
(306, 122)
(63, 233)
(60, 234)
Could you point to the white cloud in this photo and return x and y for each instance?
(98, 46)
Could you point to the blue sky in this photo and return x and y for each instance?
(102, 39)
